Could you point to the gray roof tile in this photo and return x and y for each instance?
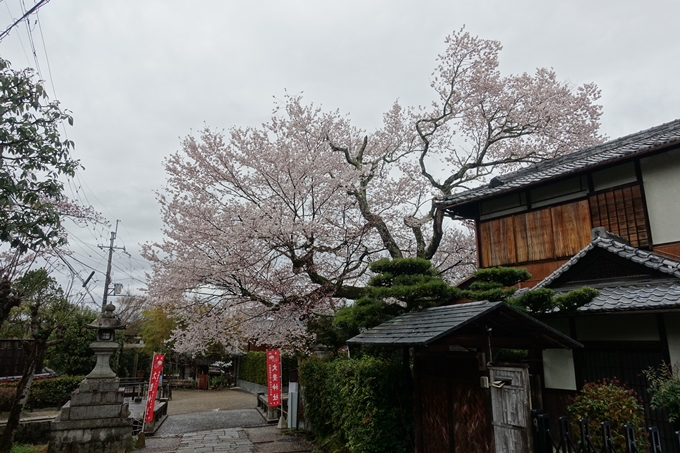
(634, 295)
(572, 163)
(646, 296)
(422, 328)
(633, 254)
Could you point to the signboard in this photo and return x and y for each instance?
(274, 377)
(154, 379)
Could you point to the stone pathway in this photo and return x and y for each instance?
(262, 439)
(219, 440)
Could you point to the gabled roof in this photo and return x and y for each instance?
(639, 143)
(656, 286)
(636, 256)
(425, 327)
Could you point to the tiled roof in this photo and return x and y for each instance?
(571, 163)
(422, 328)
(425, 326)
(636, 294)
(648, 259)
(648, 295)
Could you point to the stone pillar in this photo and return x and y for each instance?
(95, 420)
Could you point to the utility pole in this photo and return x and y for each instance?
(107, 281)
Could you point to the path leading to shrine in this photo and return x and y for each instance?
(219, 421)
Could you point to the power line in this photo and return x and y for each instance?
(28, 60)
(25, 15)
(29, 32)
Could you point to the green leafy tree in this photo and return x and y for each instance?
(43, 312)
(33, 158)
(401, 285)
(72, 355)
(156, 328)
(497, 284)
(664, 386)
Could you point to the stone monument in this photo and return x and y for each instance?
(96, 419)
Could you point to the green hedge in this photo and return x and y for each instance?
(366, 403)
(7, 395)
(253, 367)
(44, 392)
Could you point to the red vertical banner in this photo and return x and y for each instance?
(154, 379)
(274, 377)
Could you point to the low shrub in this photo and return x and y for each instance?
(609, 400)
(253, 367)
(53, 392)
(364, 403)
(664, 386)
(7, 395)
(218, 382)
(313, 378)
(45, 392)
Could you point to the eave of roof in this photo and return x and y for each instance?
(627, 295)
(633, 254)
(622, 148)
(428, 326)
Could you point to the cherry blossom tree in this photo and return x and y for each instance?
(265, 226)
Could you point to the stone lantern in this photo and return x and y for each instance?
(95, 420)
(105, 345)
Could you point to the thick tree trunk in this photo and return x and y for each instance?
(38, 349)
(8, 298)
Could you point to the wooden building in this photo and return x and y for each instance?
(540, 216)
(463, 403)
(607, 217)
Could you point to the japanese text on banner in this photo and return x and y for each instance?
(274, 377)
(154, 379)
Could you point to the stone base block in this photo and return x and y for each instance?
(91, 440)
(94, 421)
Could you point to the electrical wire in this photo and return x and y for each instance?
(28, 60)
(24, 16)
(29, 32)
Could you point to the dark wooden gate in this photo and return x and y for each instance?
(453, 413)
(511, 406)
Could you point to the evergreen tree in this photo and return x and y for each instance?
(400, 286)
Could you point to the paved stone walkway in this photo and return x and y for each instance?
(261, 439)
(219, 440)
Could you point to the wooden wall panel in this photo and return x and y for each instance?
(545, 234)
(434, 409)
(622, 212)
(471, 430)
(539, 271)
(484, 244)
(539, 235)
(571, 227)
(672, 250)
(558, 232)
(521, 238)
(498, 242)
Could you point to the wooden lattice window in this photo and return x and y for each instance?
(622, 212)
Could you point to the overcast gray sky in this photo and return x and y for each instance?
(138, 75)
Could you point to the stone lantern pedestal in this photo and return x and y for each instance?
(95, 420)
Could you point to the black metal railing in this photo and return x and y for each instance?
(564, 441)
